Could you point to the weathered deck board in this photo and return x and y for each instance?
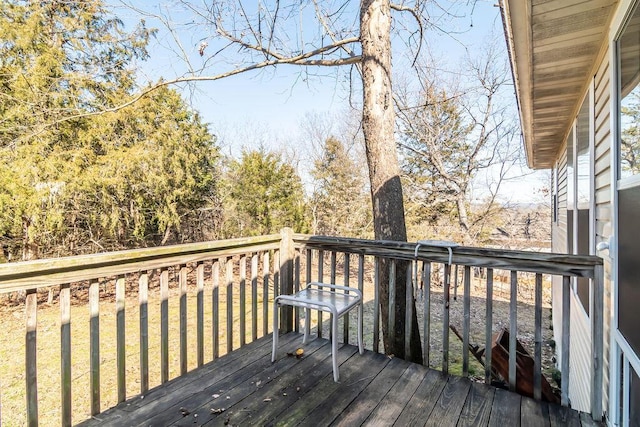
(245, 388)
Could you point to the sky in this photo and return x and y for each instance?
(267, 107)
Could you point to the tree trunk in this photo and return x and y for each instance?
(463, 217)
(378, 123)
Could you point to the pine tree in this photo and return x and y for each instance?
(263, 194)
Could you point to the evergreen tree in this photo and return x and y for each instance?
(263, 194)
(341, 206)
(131, 177)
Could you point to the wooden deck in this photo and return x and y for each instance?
(245, 388)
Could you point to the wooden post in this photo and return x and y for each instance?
(164, 326)
(409, 308)
(65, 353)
(31, 350)
(254, 297)
(182, 284)
(426, 320)
(467, 320)
(143, 300)
(320, 279)
(265, 292)
(488, 327)
(537, 354)
(243, 300)
(376, 304)
(287, 253)
(229, 286)
(215, 308)
(566, 330)
(597, 343)
(513, 329)
(94, 346)
(200, 314)
(120, 339)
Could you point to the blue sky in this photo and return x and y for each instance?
(280, 96)
(268, 106)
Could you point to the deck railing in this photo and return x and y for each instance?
(224, 291)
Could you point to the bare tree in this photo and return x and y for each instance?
(233, 37)
(451, 134)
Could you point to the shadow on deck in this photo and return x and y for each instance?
(245, 388)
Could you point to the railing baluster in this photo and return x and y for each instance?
(346, 272)
(31, 351)
(243, 298)
(200, 314)
(254, 297)
(426, 320)
(265, 293)
(513, 329)
(332, 280)
(320, 279)
(65, 352)
(309, 265)
(597, 346)
(537, 352)
(121, 339)
(408, 309)
(143, 302)
(488, 334)
(361, 276)
(94, 346)
(564, 357)
(333, 267)
(376, 304)
(164, 325)
(467, 320)
(182, 283)
(392, 302)
(445, 318)
(215, 308)
(229, 280)
(296, 288)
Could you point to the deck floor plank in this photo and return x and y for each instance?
(477, 408)
(421, 404)
(287, 389)
(390, 408)
(448, 408)
(505, 410)
(235, 388)
(561, 416)
(533, 413)
(362, 406)
(329, 398)
(245, 388)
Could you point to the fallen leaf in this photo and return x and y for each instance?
(299, 352)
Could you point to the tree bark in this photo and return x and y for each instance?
(378, 124)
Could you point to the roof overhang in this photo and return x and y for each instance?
(553, 46)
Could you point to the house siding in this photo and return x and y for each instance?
(603, 203)
(579, 357)
(559, 245)
(580, 339)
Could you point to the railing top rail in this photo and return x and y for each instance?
(534, 262)
(47, 272)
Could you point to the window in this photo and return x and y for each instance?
(628, 185)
